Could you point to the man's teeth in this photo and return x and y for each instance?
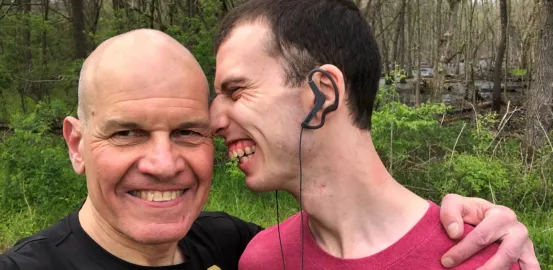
(157, 196)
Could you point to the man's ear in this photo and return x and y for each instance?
(326, 87)
(73, 137)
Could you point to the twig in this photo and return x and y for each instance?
(59, 13)
(61, 78)
(8, 10)
(545, 132)
(545, 184)
(491, 190)
(503, 123)
(495, 148)
(457, 140)
(391, 145)
(475, 117)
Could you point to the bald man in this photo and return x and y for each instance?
(143, 141)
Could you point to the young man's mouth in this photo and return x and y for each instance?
(243, 150)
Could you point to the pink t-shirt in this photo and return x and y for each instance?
(421, 248)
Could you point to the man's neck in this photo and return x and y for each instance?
(122, 247)
(354, 206)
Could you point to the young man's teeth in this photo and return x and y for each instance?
(156, 195)
(241, 153)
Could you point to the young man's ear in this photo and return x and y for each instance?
(326, 87)
(73, 137)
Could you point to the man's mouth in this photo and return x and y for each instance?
(242, 149)
(157, 195)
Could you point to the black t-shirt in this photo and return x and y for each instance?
(215, 238)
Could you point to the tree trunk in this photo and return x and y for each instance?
(443, 48)
(438, 24)
(78, 29)
(22, 89)
(496, 96)
(399, 36)
(527, 37)
(540, 97)
(44, 89)
(410, 29)
(384, 46)
(419, 49)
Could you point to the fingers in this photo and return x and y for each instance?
(451, 215)
(456, 210)
(528, 259)
(498, 222)
(512, 246)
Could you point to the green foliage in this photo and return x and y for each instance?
(35, 173)
(197, 32)
(518, 71)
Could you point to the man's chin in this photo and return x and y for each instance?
(157, 234)
(256, 185)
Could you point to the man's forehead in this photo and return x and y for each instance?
(242, 53)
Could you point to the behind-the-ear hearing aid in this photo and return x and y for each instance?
(319, 100)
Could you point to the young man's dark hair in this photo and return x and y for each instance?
(309, 33)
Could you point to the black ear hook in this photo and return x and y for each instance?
(319, 100)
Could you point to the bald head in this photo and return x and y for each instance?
(136, 57)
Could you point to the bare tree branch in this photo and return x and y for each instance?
(6, 13)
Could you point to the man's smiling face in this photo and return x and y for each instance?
(146, 145)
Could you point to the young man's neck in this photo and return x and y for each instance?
(355, 207)
(123, 247)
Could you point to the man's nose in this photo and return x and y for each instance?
(218, 114)
(162, 160)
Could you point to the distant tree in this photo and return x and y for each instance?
(540, 97)
(496, 103)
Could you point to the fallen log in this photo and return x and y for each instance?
(469, 108)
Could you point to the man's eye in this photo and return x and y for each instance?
(125, 133)
(187, 133)
(128, 137)
(234, 93)
(188, 136)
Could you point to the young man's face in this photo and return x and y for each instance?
(257, 114)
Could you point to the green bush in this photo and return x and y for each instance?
(35, 172)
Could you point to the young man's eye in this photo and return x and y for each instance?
(233, 92)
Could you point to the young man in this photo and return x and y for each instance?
(356, 216)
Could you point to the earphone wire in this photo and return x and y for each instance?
(278, 229)
(301, 210)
